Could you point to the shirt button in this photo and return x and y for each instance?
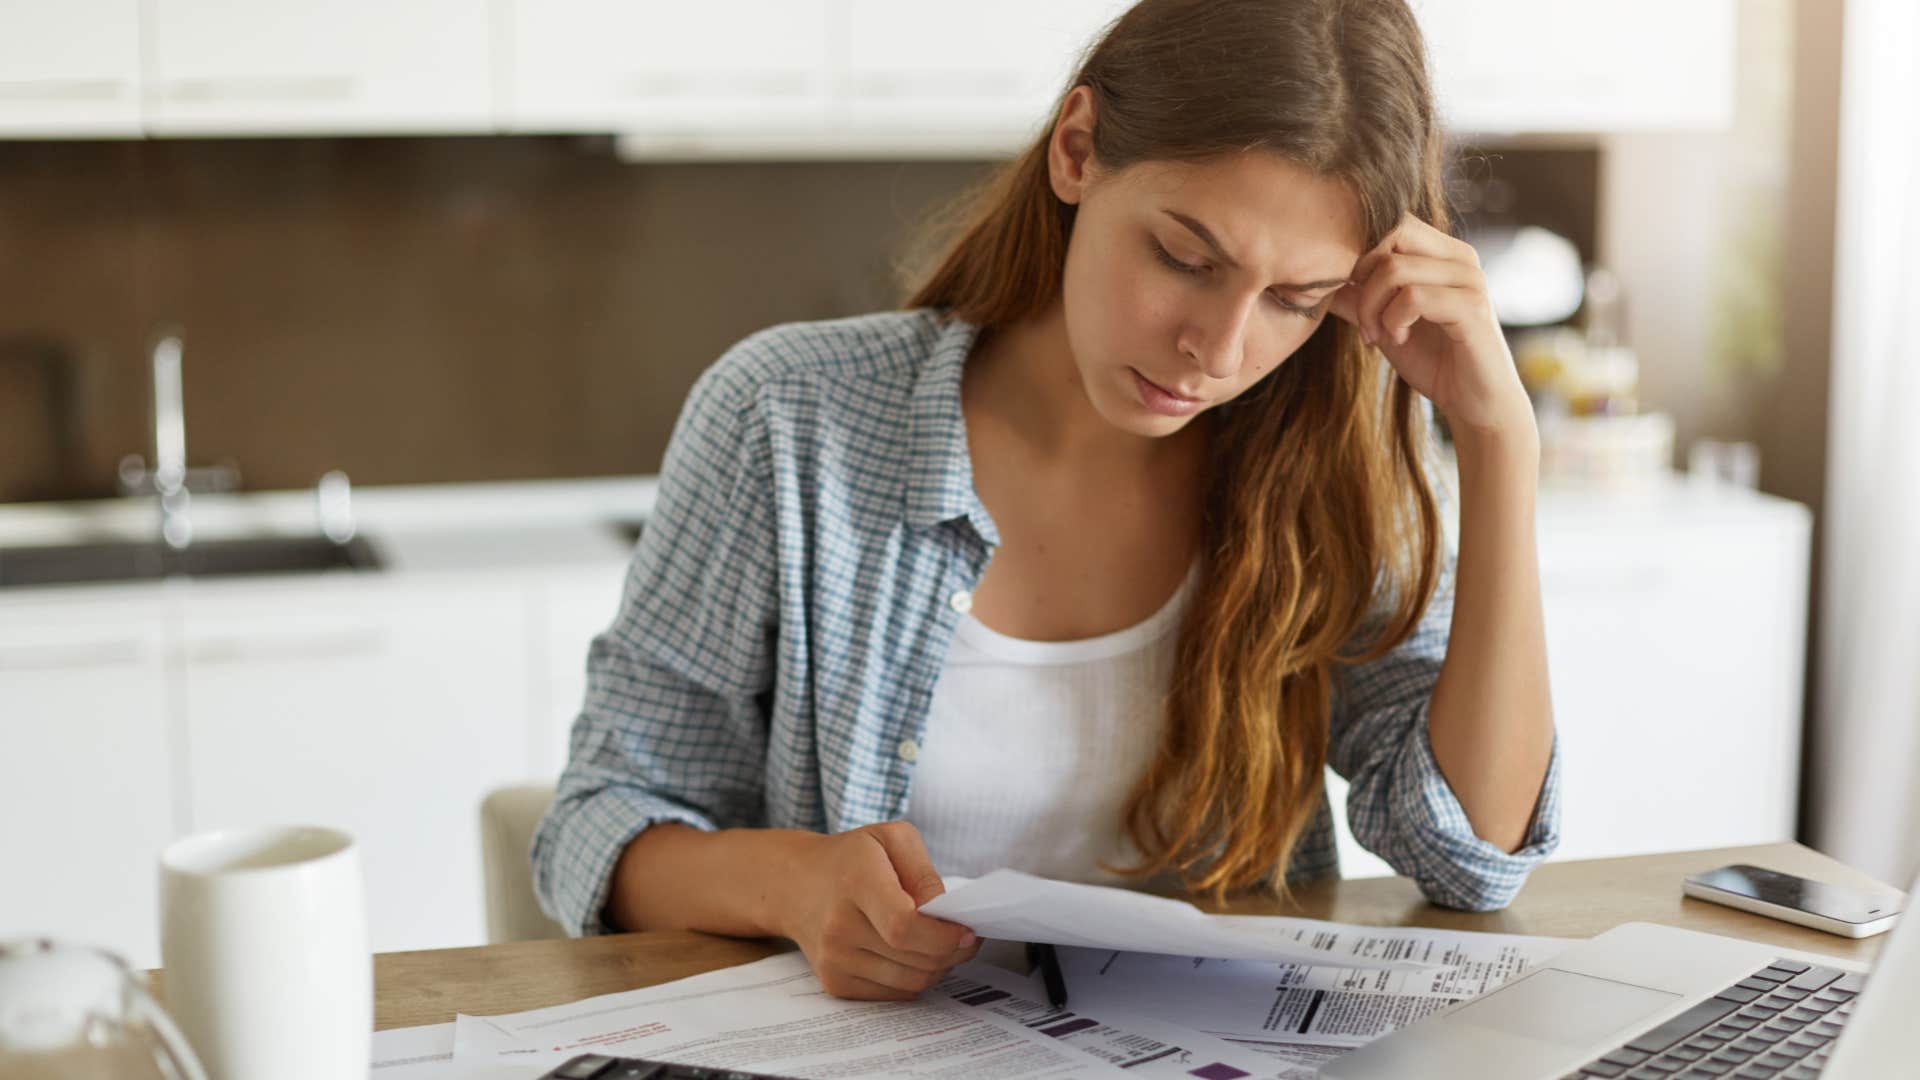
(909, 750)
(961, 601)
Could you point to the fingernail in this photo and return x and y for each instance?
(967, 939)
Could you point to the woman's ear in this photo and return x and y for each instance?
(1070, 165)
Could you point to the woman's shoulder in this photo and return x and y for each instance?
(864, 352)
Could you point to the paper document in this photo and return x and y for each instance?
(426, 1053)
(1019, 907)
(773, 1016)
(1144, 1046)
(1324, 1005)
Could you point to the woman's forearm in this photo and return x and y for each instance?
(1491, 716)
(676, 877)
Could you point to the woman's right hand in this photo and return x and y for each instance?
(855, 914)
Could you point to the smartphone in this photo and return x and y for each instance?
(1836, 910)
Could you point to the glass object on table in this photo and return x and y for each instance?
(78, 1013)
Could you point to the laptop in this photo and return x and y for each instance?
(1643, 1001)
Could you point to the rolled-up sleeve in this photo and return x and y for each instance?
(673, 728)
(1399, 803)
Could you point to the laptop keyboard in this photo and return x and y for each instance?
(1779, 1022)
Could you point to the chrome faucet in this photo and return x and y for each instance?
(170, 475)
(170, 444)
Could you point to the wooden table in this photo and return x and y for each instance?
(1565, 899)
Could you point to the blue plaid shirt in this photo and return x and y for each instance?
(789, 608)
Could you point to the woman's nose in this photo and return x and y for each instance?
(1216, 338)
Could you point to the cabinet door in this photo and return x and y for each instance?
(1675, 649)
(755, 66)
(69, 68)
(1527, 66)
(992, 66)
(85, 759)
(573, 612)
(269, 67)
(387, 711)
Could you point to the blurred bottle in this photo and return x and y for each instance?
(1713, 463)
(1606, 382)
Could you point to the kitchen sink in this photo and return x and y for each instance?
(68, 564)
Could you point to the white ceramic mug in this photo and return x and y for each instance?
(264, 943)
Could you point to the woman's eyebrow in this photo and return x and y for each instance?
(1206, 237)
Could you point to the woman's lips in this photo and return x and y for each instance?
(1161, 400)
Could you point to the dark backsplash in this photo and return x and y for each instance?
(409, 310)
(435, 310)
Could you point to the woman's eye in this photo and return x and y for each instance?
(1160, 252)
(1309, 312)
(1166, 257)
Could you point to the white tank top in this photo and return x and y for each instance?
(1032, 747)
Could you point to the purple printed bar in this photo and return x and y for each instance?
(1060, 1031)
(1218, 1071)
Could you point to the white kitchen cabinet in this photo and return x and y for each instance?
(386, 709)
(994, 66)
(86, 767)
(1676, 635)
(1676, 623)
(1630, 65)
(571, 614)
(650, 66)
(283, 67)
(69, 68)
(797, 78)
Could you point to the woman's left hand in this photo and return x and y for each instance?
(1420, 298)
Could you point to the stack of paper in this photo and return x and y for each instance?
(1150, 996)
(1020, 907)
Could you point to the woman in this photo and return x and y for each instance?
(908, 601)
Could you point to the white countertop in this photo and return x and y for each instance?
(484, 527)
(417, 528)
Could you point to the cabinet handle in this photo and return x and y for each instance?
(57, 90)
(95, 654)
(334, 646)
(264, 88)
(691, 84)
(960, 84)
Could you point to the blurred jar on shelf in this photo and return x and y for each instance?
(1585, 386)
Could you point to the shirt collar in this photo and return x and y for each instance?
(939, 469)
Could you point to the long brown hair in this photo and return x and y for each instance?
(1321, 531)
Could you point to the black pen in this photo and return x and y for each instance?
(1044, 957)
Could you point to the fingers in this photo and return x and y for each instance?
(843, 985)
(1414, 253)
(1383, 280)
(1448, 308)
(908, 854)
(894, 912)
(872, 942)
(904, 930)
(859, 965)
(876, 968)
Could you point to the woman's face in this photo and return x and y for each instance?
(1199, 279)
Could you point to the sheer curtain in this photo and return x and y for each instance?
(1866, 809)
